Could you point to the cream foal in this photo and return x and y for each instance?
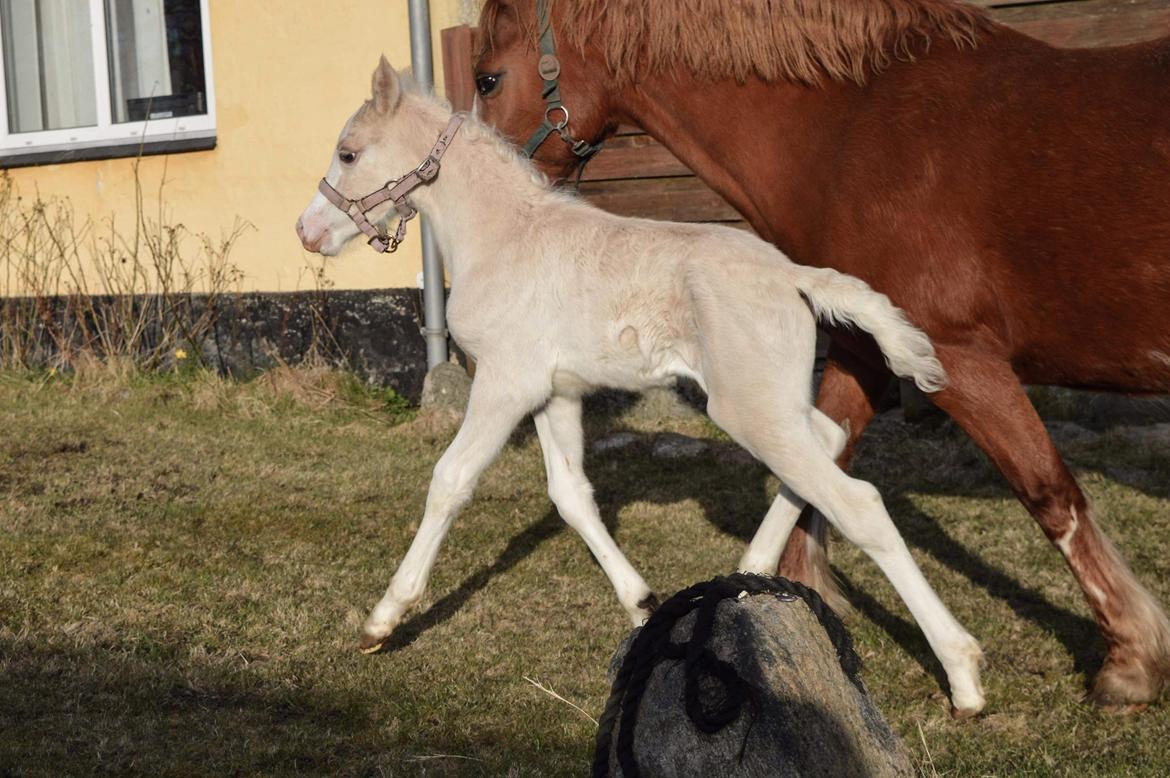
(554, 298)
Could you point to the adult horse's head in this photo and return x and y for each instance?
(598, 58)
(380, 138)
(540, 87)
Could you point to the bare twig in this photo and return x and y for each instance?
(145, 283)
(928, 767)
(429, 757)
(556, 696)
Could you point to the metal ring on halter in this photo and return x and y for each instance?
(561, 125)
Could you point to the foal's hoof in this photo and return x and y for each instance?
(643, 609)
(959, 714)
(649, 603)
(371, 644)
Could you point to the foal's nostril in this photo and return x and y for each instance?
(311, 244)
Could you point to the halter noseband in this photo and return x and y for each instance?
(395, 190)
(550, 70)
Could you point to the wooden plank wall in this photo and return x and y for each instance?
(637, 176)
(1076, 23)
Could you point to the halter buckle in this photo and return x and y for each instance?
(582, 148)
(384, 244)
(428, 168)
(563, 123)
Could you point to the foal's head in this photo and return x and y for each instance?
(376, 143)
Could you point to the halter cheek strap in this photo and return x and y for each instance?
(550, 70)
(394, 190)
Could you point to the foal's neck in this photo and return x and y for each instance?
(481, 196)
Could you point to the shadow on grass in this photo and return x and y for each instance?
(70, 712)
(518, 548)
(732, 494)
(103, 711)
(901, 630)
(1076, 633)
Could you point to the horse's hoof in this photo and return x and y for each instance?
(1124, 710)
(1125, 688)
(371, 644)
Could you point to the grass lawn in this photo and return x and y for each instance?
(184, 565)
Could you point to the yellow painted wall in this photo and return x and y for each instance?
(287, 75)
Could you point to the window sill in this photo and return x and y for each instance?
(114, 150)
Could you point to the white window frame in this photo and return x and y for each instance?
(105, 134)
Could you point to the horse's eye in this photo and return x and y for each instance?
(486, 83)
(346, 156)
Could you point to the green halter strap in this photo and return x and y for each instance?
(549, 68)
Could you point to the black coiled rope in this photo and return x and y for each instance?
(703, 670)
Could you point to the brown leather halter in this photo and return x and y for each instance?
(394, 190)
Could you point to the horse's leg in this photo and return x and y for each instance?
(493, 410)
(559, 427)
(984, 396)
(790, 446)
(851, 390)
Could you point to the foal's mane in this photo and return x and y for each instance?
(795, 40)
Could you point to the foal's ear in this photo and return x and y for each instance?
(387, 87)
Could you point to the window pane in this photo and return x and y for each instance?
(48, 64)
(156, 59)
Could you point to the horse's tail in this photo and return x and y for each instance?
(837, 298)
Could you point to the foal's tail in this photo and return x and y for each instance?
(837, 298)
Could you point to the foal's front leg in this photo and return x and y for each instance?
(493, 411)
(558, 425)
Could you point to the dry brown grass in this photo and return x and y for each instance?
(186, 562)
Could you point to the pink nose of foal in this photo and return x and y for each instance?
(310, 243)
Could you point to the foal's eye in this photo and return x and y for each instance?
(486, 83)
(346, 156)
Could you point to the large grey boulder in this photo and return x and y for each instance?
(804, 710)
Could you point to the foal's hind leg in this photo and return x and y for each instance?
(763, 553)
(851, 389)
(793, 451)
(984, 396)
(558, 425)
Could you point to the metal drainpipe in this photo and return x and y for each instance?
(434, 303)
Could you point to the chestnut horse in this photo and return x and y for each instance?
(1012, 197)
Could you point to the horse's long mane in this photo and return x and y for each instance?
(796, 40)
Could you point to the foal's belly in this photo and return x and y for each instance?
(631, 374)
